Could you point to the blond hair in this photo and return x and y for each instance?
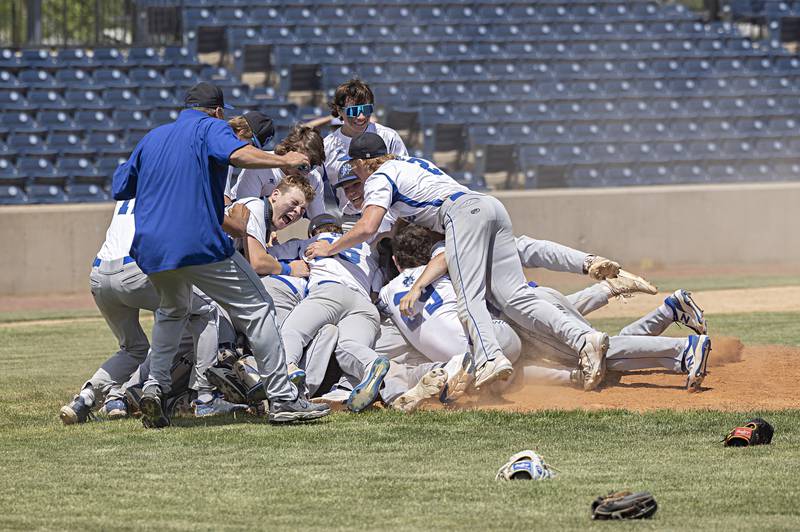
(373, 164)
(240, 127)
(296, 181)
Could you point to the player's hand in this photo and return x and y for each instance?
(295, 159)
(318, 249)
(409, 300)
(299, 268)
(273, 239)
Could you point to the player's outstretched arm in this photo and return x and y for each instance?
(264, 263)
(435, 269)
(363, 231)
(252, 157)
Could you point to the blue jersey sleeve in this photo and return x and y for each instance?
(123, 185)
(221, 142)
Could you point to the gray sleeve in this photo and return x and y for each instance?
(549, 255)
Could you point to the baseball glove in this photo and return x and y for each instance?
(525, 465)
(601, 268)
(624, 505)
(754, 432)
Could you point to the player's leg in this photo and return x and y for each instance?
(509, 341)
(203, 326)
(470, 230)
(284, 296)
(391, 343)
(679, 307)
(549, 376)
(318, 356)
(590, 298)
(408, 388)
(321, 307)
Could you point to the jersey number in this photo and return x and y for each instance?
(349, 254)
(426, 165)
(428, 294)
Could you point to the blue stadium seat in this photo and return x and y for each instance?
(39, 59)
(11, 184)
(108, 144)
(12, 100)
(181, 78)
(111, 77)
(122, 99)
(108, 57)
(39, 79)
(29, 145)
(9, 60)
(163, 116)
(75, 78)
(144, 56)
(148, 77)
(179, 57)
(156, 97)
(68, 144)
(46, 99)
(85, 99)
(73, 58)
(95, 120)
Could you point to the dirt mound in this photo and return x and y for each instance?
(739, 378)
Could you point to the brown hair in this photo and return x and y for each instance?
(328, 228)
(305, 140)
(355, 90)
(296, 181)
(240, 127)
(412, 246)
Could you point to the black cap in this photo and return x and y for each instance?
(262, 127)
(320, 220)
(205, 94)
(367, 146)
(346, 175)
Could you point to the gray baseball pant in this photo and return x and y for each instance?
(331, 303)
(284, 297)
(236, 287)
(120, 291)
(483, 261)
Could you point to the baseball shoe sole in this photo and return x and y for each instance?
(499, 369)
(686, 312)
(336, 400)
(696, 361)
(626, 284)
(225, 381)
(365, 393)
(593, 360)
(297, 410)
(296, 375)
(152, 414)
(459, 379)
(75, 412)
(429, 387)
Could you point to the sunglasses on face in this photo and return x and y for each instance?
(354, 110)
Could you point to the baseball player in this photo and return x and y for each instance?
(177, 175)
(353, 103)
(339, 290)
(261, 182)
(479, 250)
(253, 127)
(120, 290)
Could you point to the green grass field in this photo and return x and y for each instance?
(379, 470)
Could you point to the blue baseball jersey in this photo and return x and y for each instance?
(177, 174)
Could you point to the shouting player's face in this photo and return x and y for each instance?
(353, 126)
(287, 207)
(354, 190)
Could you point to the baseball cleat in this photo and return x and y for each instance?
(686, 312)
(76, 412)
(429, 386)
(593, 359)
(366, 391)
(493, 370)
(296, 375)
(298, 410)
(695, 361)
(116, 409)
(217, 407)
(153, 416)
(336, 399)
(576, 378)
(460, 374)
(626, 284)
(227, 382)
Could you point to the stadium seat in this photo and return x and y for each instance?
(68, 145)
(85, 99)
(31, 145)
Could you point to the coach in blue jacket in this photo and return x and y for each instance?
(177, 175)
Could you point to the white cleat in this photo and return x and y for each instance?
(686, 312)
(493, 370)
(429, 387)
(460, 374)
(695, 360)
(593, 360)
(626, 284)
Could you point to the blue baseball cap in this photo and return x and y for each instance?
(346, 176)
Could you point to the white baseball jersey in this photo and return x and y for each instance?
(337, 145)
(435, 329)
(257, 223)
(355, 267)
(411, 188)
(257, 183)
(119, 235)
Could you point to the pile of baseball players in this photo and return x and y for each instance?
(409, 289)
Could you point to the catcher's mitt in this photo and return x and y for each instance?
(525, 465)
(624, 505)
(753, 432)
(600, 268)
